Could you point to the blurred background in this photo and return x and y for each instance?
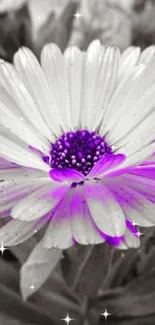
(129, 290)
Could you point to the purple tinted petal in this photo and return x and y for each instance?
(107, 164)
(67, 174)
(131, 227)
(56, 193)
(37, 151)
(145, 171)
(5, 213)
(115, 241)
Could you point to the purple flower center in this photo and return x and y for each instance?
(78, 150)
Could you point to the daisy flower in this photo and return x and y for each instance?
(76, 141)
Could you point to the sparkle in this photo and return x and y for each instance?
(139, 234)
(67, 319)
(32, 287)
(2, 248)
(79, 150)
(105, 314)
(77, 15)
(134, 223)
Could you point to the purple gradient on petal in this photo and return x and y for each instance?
(61, 175)
(44, 218)
(55, 193)
(5, 213)
(37, 151)
(107, 163)
(145, 171)
(74, 241)
(131, 227)
(113, 241)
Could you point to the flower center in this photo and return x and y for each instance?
(78, 150)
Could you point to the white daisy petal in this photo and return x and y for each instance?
(107, 81)
(59, 232)
(17, 188)
(131, 240)
(11, 119)
(74, 59)
(11, 81)
(105, 210)
(128, 58)
(53, 66)
(84, 229)
(34, 80)
(34, 206)
(136, 139)
(15, 232)
(139, 156)
(20, 154)
(132, 96)
(134, 205)
(13, 173)
(90, 74)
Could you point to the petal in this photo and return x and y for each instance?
(128, 58)
(135, 206)
(106, 165)
(16, 189)
(84, 229)
(138, 138)
(73, 60)
(17, 152)
(143, 185)
(99, 81)
(15, 232)
(139, 156)
(131, 96)
(105, 210)
(12, 120)
(12, 83)
(37, 268)
(66, 174)
(52, 62)
(35, 82)
(131, 240)
(33, 206)
(59, 232)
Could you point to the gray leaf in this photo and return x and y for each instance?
(37, 269)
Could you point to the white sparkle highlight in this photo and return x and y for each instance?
(105, 314)
(67, 319)
(2, 248)
(32, 287)
(134, 223)
(77, 15)
(139, 234)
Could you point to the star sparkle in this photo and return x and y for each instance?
(2, 248)
(139, 234)
(105, 314)
(77, 15)
(67, 319)
(134, 223)
(32, 287)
